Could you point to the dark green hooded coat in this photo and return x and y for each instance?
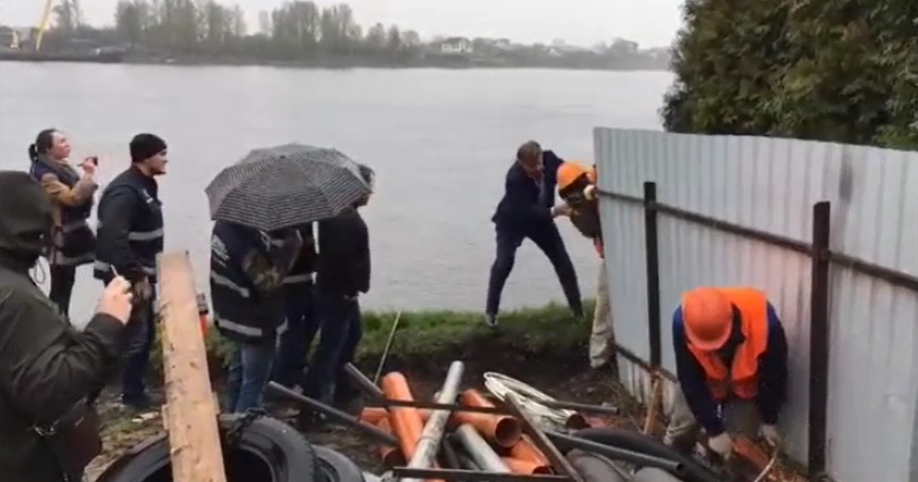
(46, 365)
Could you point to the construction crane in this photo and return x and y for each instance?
(72, 7)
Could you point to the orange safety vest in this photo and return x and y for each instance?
(742, 378)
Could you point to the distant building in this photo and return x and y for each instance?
(456, 46)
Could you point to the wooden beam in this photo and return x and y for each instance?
(191, 413)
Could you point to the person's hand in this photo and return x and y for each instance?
(722, 445)
(116, 300)
(89, 165)
(561, 210)
(143, 290)
(770, 434)
(294, 238)
(590, 192)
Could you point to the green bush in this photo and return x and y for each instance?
(841, 71)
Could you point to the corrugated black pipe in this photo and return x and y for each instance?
(691, 469)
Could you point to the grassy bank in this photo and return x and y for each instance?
(426, 337)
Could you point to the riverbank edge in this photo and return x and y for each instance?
(439, 336)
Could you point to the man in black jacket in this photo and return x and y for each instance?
(46, 365)
(130, 235)
(343, 273)
(527, 211)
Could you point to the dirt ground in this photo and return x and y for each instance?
(565, 377)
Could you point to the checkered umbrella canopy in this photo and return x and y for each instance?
(284, 186)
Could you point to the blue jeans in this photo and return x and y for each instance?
(302, 325)
(249, 373)
(340, 332)
(142, 331)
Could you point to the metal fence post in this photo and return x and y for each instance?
(819, 342)
(653, 271)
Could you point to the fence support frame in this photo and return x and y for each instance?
(819, 342)
(652, 252)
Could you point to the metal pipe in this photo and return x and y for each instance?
(366, 385)
(334, 414)
(479, 450)
(385, 353)
(583, 407)
(616, 453)
(429, 443)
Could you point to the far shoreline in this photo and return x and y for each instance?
(350, 63)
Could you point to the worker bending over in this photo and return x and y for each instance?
(717, 328)
(577, 187)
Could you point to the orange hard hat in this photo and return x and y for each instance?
(570, 171)
(708, 317)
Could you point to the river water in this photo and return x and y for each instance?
(440, 141)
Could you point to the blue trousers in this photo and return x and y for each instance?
(142, 331)
(249, 373)
(341, 329)
(548, 239)
(302, 326)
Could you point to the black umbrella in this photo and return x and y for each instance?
(284, 186)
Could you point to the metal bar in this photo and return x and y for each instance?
(365, 384)
(472, 475)
(894, 277)
(819, 341)
(652, 252)
(386, 403)
(429, 444)
(616, 453)
(482, 453)
(334, 414)
(581, 407)
(385, 353)
(541, 441)
(644, 364)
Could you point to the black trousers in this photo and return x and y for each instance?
(548, 239)
(62, 280)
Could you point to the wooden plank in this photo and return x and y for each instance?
(541, 441)
(191, 414)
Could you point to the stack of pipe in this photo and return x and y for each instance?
(490, 442)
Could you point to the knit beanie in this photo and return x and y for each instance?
(145, 146)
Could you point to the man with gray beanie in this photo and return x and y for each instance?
(130, 235)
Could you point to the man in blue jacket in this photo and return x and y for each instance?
(527, 210)
(731, 360)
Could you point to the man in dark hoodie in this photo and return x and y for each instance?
(342, 275)
(46, 365)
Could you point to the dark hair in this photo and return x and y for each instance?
(43, 143)
(528, 150)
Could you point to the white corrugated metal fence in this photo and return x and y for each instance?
(771, 185)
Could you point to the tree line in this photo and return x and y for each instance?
(840, 71)
(302, 31)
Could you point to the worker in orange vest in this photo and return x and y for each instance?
(577, 187)
(717, 328)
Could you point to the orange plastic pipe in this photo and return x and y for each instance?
(391, 456)
(526, 467)
(405, 422)
(502, 430)
(526, 450)
(372, 415)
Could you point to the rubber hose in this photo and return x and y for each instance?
(638, 442)
(268, 450)
(650, 474)
(335, 467)
(593, 468)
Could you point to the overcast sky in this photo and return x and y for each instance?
(581, 22)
